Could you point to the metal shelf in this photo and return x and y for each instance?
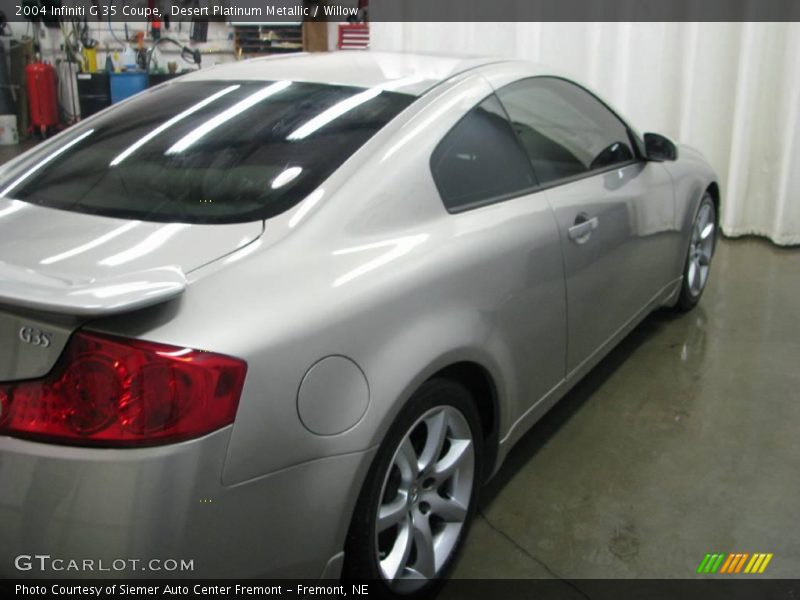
(253, 39)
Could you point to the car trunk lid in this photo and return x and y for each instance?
(58, 268)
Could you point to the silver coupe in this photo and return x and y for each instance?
(283, 317)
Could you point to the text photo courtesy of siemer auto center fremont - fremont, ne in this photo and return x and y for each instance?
(400, 299)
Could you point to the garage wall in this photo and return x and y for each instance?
(730, 89)
(218, 48)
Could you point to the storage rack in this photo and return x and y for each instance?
(259, 39)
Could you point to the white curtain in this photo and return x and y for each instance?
(730, 89)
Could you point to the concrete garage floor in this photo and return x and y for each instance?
(683, 441)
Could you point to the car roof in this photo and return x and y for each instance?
(402, 72)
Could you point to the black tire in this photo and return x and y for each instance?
(688, 298)
(361, 561)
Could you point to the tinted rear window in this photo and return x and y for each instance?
(205, 152)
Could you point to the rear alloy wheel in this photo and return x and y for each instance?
(421, 493)
(701, 250)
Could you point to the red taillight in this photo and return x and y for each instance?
(118, 392)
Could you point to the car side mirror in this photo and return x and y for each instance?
(659, 147)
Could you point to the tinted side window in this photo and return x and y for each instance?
(479, 159)
(564, 129)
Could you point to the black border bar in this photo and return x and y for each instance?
(734, 587)
(259, 11)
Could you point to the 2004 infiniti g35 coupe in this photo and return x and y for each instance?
(283, 317)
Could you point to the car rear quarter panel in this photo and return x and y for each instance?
(376, 270)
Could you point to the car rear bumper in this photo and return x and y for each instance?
(165, 504)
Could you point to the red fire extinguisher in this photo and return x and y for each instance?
(42, 96)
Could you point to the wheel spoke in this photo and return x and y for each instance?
(397, 559)
(425, 562)
(407, 461)
(691, 274)
(707, 231)
(702, 217)
(437, 433)
(703, 275)
(447, 509)
(393, 512)
(445, 467)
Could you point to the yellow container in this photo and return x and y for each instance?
(90, 60)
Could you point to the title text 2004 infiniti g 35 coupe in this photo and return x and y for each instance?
(283, 317)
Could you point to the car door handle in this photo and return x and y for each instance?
(583, 228)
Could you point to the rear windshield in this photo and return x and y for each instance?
(205, 152)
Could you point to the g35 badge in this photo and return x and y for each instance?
(35, 337)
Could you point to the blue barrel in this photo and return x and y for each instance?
(127, 84)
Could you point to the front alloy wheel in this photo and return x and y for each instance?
(420, 495)
(701, 249)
